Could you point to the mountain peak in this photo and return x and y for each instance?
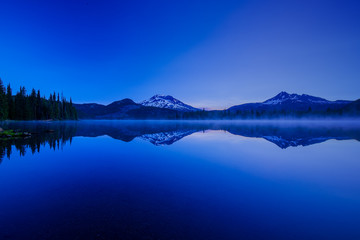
(163, 96)
(285, 98)
(160, 95)
(125, 101)
(281, 95)
(167, 101)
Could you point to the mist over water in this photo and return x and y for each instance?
(181, 180)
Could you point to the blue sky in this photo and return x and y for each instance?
(206, 53)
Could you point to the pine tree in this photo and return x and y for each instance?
(3, 102)
(20, 105)
(39, 109)
(32, 103)
(11, 103)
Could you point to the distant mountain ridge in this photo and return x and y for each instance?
(167, 107)
(286, 101)
(123, 109)
(284, 97)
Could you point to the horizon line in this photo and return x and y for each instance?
(212, 108)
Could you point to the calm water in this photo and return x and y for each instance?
(181, 180)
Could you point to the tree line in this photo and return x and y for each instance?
(350, 111)
(62, 134)
(23, 106)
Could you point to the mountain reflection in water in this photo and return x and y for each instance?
(284, 134)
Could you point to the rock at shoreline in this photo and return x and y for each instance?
(10, 134)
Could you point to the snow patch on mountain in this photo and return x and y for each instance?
(167, 101)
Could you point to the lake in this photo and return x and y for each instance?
(181, 180)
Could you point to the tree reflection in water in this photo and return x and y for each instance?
(284, 134)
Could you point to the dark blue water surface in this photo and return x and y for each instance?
(181, 180)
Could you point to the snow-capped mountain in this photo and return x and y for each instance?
(292, 102)
(286, 98)
(169, 102)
